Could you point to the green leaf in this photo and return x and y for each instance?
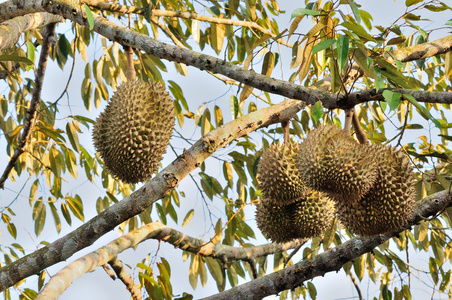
(188, 217)
(303, 12)
(358, 29)
(31, 51)
(317, 111)
(73, 136)
(76, 206)
(323, 45)
(56, 217)
(89, 16)
(39, 216)
(342, 50)
(355, 10)
(412, 2)
(17, 58)
(312, 290)
(422, 110)
(392, 98)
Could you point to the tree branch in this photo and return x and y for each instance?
(424, 50)
(183, 15)
(88, 263)
(125, 277)
(35, 99)
(332, 259)
(152, 191)
(11, 30)
(125, 36)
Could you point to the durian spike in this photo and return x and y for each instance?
(360, 133)
(348, 120)
(286, 132)
(130, 72)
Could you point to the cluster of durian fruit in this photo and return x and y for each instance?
(371, 188)
(134, 130)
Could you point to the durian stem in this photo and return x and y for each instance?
(348, 120)
(360, 133)
(286, 132)
(130, 72)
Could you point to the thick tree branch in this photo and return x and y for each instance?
(183, 15)
(125, 36)
(332, 259)
(152, 191)
(424, 50)
(35, 99)
(11, 30)
(64, 278)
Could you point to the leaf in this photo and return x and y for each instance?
(39, 216)
(392, 98)
(317, 111)
(73, 136)
(6, 57)
(422, 110)
(56, 217)
(195, 31)
(412, 2)
(355, 10)
(358, 29)
(268, 64)
(217, 33)
(312, 290)
(323, 45)
(31, 51)
(342, 50)
(76, 206)
(188, 217)
(89, 16)
(303, 12)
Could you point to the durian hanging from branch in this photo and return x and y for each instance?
(134, 130)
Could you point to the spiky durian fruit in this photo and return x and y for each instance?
(389, 203)
(313, 214)
(307, 217)
(278, 175)
(276, 222)
(133, 131)
(330, 161)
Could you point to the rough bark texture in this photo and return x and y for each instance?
(70, 9)
(330, 260)
(64, 278)
(11, 30)
(35, 99)
(152, 191)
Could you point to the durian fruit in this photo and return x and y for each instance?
(276, 222)
(278, 175)
(313, 214)
(330, 161)
(389, 203)
(307, 217)
(133, 132)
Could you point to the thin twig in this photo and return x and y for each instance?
(356, 286)
(359, 132)
(36, 98)
(125, 277)
(252, 264)
(130, 72)
(348, 119)
(168, 32)
(109, 271)
(286, 132)
(286, 261)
